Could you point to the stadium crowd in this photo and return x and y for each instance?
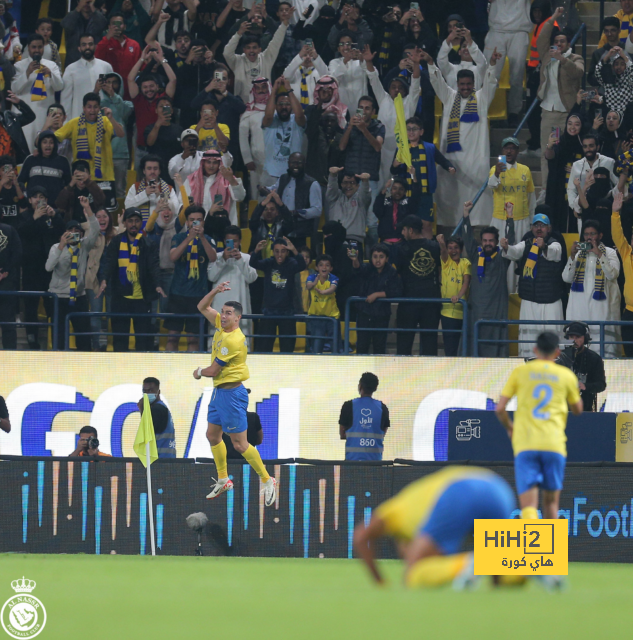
(264, 136)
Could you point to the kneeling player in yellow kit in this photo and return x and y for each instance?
(229, 402)
(430, 518)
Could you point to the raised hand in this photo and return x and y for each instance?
(467, 208)
(617, 201)
(335, 170)
(495, 56)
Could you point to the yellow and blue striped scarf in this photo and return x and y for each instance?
(305, 72)
(470, 115)
(418, 160)
(192, 259)
(165, 190)
(481, 262)
(385, 46)
(38, 90)
(74, 255)
(529, 269)
(83, 146)
(128, 271)
(579, 277)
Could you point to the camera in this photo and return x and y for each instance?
(93, 443)
(585, 246)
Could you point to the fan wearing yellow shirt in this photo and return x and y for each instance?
(211, 134)
(545, 392)
(430, 519)
(229, 402)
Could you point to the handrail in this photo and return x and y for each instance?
(601, 323)
(582, 31)
(38, 294)
(463, 330)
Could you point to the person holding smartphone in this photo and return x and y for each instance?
(163, 137)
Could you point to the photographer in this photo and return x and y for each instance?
(586, 364)
(88, 444)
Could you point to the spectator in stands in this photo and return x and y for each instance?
(211, 134)
(354, 426)
(212, 180)
(68, 262)
(303, 72)
(388, 40)
(348, 69)
(626, 254)
(119, 50)
(181, 50)
(168, 20)
(36, 81)
(488, 298)
(90, 135)
(145, 194)
(541, 260)
(232, 13)
(163, 137)
(386, 108)
(336, 245)
(350, 21)
(192, 251)
(233, 265)
(615, 74)
(55, 119)
(279, 281)
(456, 277)
(511, 182)
(468, 140)
(302, 295)
(594, 295)
(509, 35)
(10, 261)
(188, 161)
(378, 279)
(40, 227)
(322, 286)
(611, 37)
(68, 200)
(254, 62)
(81, 76)
(270, 219)
(470, 57)
(160, 229)
(323, 137)
(131, 272)
(46, 169)
(12, 198)
(88, 442)
(283, 123)
(625, 17)
(85, 19)
(593, 196)
(12, 139)
(44, 28)
(162, 420)
(136, 18)
(419, 267)
(417, 31)
(348, 201)
(391, 207)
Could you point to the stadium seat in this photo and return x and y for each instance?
(246, 239)
(570, 238)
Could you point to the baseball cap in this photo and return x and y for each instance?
(131, 212)
(510, 140)
(33, 191)
(576, 329)
(73, 224)
(540, 217)
(188, 132)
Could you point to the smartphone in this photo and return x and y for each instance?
(597, 114)
(502, 159)
(308, 41)
(553, 49)
(75, 237)
(167, 110)
(151, 50)
(556, 130)
(195, 223)
(152, 183)
(218, 199)
(309, 11)
(353, 249)
(356, 46)
(360, 113)
(229, 244)
(460, 25)
(219, 76)
(588, 95)
(102, 111)
(8, 168)
(102, 78)
(414, 6)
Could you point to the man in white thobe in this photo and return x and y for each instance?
(467, 150)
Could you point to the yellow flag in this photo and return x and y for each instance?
(145, 434)
(404, 153)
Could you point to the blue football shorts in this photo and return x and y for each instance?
(228, 409)
(545, 469)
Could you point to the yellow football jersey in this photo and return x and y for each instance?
(229, 349)
(408, 510)
(543, 389)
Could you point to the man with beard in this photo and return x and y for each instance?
(488, 298)
(84, 19)
(117, 49)
(348, 202)
(581, 169)
(81, 76)
(470, 55)
(145, 195)
(540, 262)
(188, 161)
(302, 196)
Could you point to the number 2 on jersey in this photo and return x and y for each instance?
(544, 393)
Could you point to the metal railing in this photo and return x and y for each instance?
(463, 331)
(201, 334)
(591, 323)
(36, 294)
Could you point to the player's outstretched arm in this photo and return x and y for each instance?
(503, 415)
(364, 540)
(204, 306)
(577, 408)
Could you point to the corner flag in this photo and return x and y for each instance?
(404, 153)
(145, 436)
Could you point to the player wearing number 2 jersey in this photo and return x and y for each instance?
(544, 390)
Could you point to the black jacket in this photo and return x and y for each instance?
(147, 265)
(38, 236)
(371, 282)
(547, 286)
(260, 230)
(13, 123)
(279, 282)
(383, 210)
(588, 365)
(10, 257)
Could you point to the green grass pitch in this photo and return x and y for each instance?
(121, 597)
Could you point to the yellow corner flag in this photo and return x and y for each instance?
(145, 435)
(404, 153)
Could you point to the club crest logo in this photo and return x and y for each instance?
(23, 615)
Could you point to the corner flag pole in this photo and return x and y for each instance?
(149, 499)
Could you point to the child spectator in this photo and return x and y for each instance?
(378, 280)
(44, 28)
(455, 284)
(349, 202)
(323, 285)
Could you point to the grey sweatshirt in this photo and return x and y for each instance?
(350, 212)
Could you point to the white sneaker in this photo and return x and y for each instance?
(552, 583)
(220, 486)
(467, 580)
(270, 491)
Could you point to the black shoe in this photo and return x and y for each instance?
(513, 120)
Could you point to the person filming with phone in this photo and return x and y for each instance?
(163, 137)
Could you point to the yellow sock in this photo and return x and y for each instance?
(529, 513)
(251, 455)
(219, 456)
(435, 571)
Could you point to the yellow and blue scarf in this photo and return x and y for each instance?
(470, 115)
(529, 269)
(418, 160)
(74, 255)
(83, 146)
(192, 259)
(481, 262)
(38, 90)
(128, 271)
(305, 72)
(385, 46)
(579, 277)
(165, 190)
